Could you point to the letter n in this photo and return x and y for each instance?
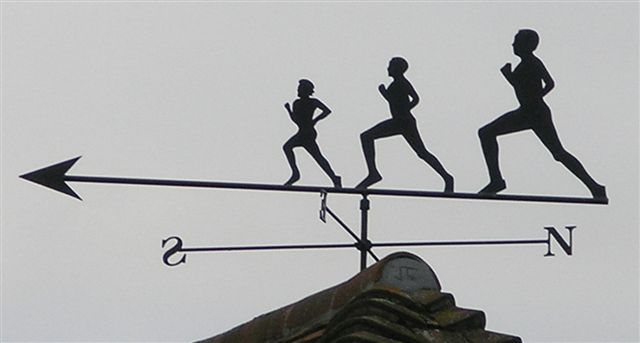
(567, 247)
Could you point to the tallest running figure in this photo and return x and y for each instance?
(527, 80)
(402, 98)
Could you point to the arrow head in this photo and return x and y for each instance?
(54, 177)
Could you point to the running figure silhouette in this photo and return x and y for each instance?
(302, 115)
(402, 98)
(527, 80)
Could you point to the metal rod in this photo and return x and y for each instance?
(364, 243)
(269, 247)
(315, 189)
(443, 243)
(344, 226)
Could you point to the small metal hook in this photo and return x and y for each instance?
(323, 206)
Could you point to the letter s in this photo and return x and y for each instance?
(173, 250)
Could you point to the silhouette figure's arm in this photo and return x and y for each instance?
(415, 99)
(325, 111)
(546, 77)
(383, 90)
(507, 73)
(288, 107)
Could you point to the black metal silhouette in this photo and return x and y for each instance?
(302, 114)
(527, 80)
(55, 177)
(402, 98)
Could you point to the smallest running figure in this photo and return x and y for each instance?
(302, 115)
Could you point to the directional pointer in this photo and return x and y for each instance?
(55, 177)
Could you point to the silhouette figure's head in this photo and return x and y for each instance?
(397, 66)
(305, 88)
(525, 42)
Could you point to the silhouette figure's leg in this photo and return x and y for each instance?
(549, 137)
(412, 136)
(509, 122)
(291, 158)
(384, 129)
(314, 151)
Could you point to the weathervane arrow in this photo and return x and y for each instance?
(55, 177)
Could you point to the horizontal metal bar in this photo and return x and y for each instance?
(353, 245)
(269, 247)
(316, 189)
(445, 243)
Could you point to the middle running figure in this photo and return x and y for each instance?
(402, 98)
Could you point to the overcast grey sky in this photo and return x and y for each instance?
(194, 90)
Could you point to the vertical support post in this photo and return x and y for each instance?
(365, 244)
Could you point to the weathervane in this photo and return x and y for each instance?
(531, 82)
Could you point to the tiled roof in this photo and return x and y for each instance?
(398, 299)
